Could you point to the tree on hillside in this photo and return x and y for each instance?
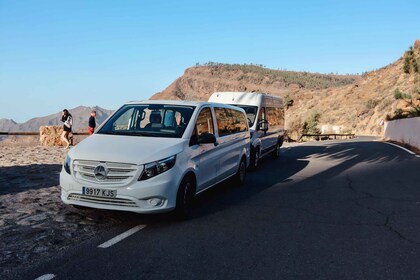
(310, 126)
(410, 62)
(288, 101)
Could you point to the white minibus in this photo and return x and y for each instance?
(265, 114)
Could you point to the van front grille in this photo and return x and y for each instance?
(119, 174)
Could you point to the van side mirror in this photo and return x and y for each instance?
(263, 125)
(206, 138)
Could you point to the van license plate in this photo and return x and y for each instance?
(99, 192)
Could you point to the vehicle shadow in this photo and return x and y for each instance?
(276, 173)
(15, 179)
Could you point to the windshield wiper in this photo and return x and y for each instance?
(107, 132)
(137, 133)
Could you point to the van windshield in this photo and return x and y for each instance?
(251, 113)
(150, 120)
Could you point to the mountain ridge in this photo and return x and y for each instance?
(80, 115)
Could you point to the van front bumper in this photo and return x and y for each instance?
(155, 195)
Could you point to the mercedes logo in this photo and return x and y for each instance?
(100, 172)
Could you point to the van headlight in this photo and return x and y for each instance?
(67, 163)
(157, 167)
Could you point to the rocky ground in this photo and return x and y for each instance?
(34, 223)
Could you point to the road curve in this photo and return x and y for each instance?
(334, 209)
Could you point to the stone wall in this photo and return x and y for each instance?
(404, 130)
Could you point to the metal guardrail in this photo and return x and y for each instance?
(36, 133)
(327, 136)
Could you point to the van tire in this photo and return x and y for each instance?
(239, 178)
(276, 152)
(185, 198)
(255, 158)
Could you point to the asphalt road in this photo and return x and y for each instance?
(329, 210)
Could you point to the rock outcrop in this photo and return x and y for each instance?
(51, 135)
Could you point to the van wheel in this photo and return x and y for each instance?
(255, 159)
(276, 153)
(240, 175)
(184, 198)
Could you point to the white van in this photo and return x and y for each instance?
(155, 156)
(265, 114)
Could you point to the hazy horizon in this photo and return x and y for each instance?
(57, 55)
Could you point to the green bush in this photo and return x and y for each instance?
(414, 112)
(406, 66)
(310, 126)
(410, 62)
(401, 95)
(288, 101)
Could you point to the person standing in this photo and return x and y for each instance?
(67, 119)
(92, 122)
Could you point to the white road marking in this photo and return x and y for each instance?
(402, 148)
(120, 237)
(46, 277)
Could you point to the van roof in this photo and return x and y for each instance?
(245, 98)
(169, 102)
(183, 103)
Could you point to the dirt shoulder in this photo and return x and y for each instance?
(34, 223)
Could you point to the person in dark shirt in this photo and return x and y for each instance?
(92, 122)
(67, 119)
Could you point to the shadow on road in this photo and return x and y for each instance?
(278, 173)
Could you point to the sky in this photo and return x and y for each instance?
(62, 54)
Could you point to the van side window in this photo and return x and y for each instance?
(275, 117)
(204, 124)
(230, 121)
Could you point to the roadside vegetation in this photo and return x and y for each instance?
(310, 125)
(411, 63)
(412, 108)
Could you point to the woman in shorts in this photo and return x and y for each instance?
(67, 119)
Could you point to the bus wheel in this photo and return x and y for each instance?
(276, 152)
(255, 159)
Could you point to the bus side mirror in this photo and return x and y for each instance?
(263, 125)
